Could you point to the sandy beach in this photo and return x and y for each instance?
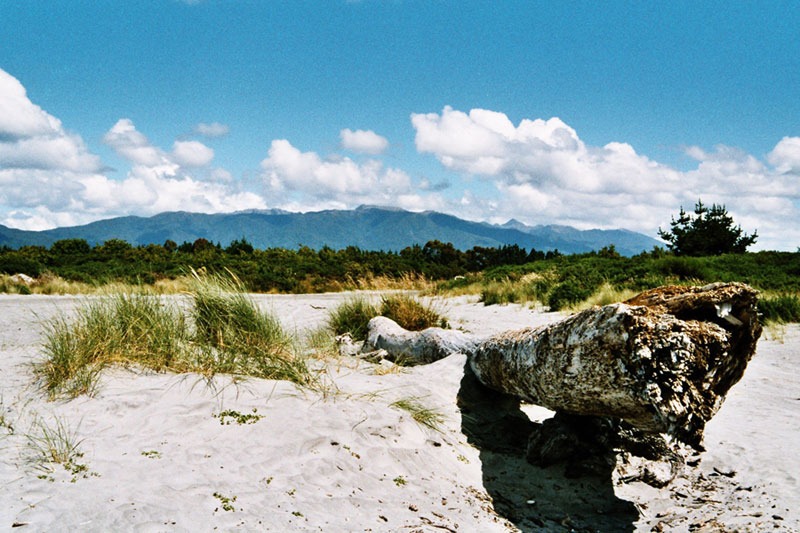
(161, 454)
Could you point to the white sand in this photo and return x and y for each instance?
(349, 461)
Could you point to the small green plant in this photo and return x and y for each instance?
(226, 417)
(291, 492)
(152, 454)
(297, 513)
(226, 502)
(419, 412)
(400, 481)
(463, 459)
(352, 316)
(51, 445)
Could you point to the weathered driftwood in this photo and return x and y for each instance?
(662, 361)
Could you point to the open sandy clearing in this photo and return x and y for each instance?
(158, 457)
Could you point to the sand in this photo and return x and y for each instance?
(158, 458)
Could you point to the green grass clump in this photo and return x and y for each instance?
(231, 335)
(125, 328)
(410, 314)
(352, 316)
(419, 412)
(234, 336)
(780, 309)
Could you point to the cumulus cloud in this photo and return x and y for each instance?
(191, 153)
(304, 180)
(48, 177)
(215, 129)
(544, 173)
(363, 141)
(786, 155)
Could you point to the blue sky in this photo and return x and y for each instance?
(588, 114)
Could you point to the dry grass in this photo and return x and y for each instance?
(604, 295)
(49, 283)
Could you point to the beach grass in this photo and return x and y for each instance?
(224, 333)
(422, 414)
(49, 445)
(352, 316)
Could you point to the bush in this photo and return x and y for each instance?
(566, 293)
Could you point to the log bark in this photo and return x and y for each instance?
(662, 361)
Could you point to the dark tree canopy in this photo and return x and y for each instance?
(710, 231)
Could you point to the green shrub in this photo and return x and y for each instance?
(566, 293)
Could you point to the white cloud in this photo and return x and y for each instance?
(128, 142)
(215, 129)
(303, 180)
(191, 153)
(48, 177)
(544, 173)
(785, 157)
(363, 141)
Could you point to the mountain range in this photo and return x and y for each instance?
(368, 227)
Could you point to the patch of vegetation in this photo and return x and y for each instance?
(226, 502)
(410, 313)
(228, 416)
(230, 335)
(419, 412)
(710, 231)
(152, 454)
(400, 481)
(780, 309)
(352, 316)
(52, 445)
(236, 337)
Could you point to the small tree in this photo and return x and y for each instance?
(710, 231)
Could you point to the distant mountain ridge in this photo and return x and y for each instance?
(367, 227)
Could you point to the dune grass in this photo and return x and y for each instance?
(224, 332)
(49, 445)
(420, 412)
(353, 315)
(410, 313)
(236, 337)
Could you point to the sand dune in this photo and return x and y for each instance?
(159, 457)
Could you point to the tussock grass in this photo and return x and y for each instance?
(125, 328)
(420, 412)
(352, 316)
(410, 313)
(236, 337)
(227, 334)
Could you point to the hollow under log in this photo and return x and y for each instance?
(662, 361)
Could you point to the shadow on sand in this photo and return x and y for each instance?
(494, 423)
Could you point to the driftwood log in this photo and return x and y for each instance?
(662, 362)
